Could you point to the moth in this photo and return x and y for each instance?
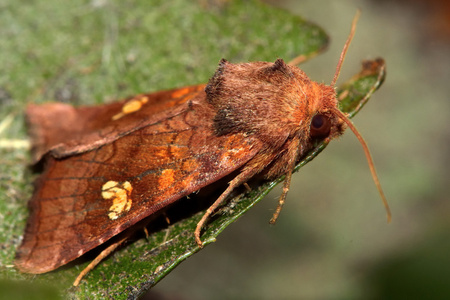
(108, 167)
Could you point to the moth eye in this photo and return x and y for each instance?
(320, 126)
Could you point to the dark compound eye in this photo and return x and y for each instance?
(320, 126)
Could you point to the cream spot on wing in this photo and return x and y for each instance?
(120, 194)
(131, 106)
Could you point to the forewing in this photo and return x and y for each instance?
(65, 130)
(85, 199)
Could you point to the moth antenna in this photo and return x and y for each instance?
(286, 185)
(363, 143)
(346, 45)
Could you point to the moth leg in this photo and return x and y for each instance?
(98, 259)
(166, 217)
(146, 233)
(287, 179)
(237, 181)
(286, 185)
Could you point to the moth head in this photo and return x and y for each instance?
(326, 124)
(316, 116)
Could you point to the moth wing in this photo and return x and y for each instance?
(65, 130)
(83, 200)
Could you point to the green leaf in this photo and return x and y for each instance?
(92, 52)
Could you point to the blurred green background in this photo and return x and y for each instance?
(331, 240)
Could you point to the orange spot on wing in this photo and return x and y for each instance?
(181, 92)
(166, 179)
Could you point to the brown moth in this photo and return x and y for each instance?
(108, 167)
